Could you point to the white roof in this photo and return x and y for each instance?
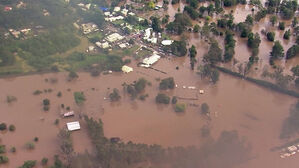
(114, 37)
(126, 69)
(107, 13)
(167, 42)
(123, 45)
(117, 9)
(150, 60)
(72, 126)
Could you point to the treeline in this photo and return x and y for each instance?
(259, 82)
(114, 153)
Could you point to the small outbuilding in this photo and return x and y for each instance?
(73, 126)
(126, 69)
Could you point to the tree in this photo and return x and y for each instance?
(29, 164)
(206, 71)
(249, 20)
(192, 54)
(140, 85)
(229, 46)
(174, 100)
(167, 83)
(287, 34)
(196, 28)
(3, 159)
(114, 96)
(277, 51)
(46, 102)
(292, 51)
(73, 75)
(3, 126)
(270, 36)
(295, 70)
(162, 98)
(180, 107)
(44, 161)
(294, 22)
(178, 48)
(281, 25)
(205, 109)
(214, 54)
(79, 98)
(273, 20)
(156, 24)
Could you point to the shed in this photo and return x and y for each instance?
(73, 126)
(69, 114)
(167, 42)
(126, 69)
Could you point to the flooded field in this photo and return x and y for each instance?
(256, 113)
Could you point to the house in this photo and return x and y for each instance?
(147, 62)
(91, 48)
(15, 33)
(25, 31)
(73, 126)
(126, 69)
(167, 42)
(114, 37)
(116, 9)
(7, 8)
(122, 46)
(131, 14)
(103, 45)
(124, 11)
(112, 19)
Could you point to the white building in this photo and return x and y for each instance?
(167, 42)
(103, 45)
(114, 37)
(126, 69)
(147, 62)
(124, 11)
(122, 46)
(73, 126)
(116, 9)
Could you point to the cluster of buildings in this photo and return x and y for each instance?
(17, 33)
(112, 39)
(89, 28)
(289, 151)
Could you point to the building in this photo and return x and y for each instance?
(15, 33)
(122, 46)
(112, 19)
(116, 9)
(147, 62)
(7, 8)
(91, 48)
(126, 69)
(103, 45)
(125, 11)
(25, 31)
(114, 37)
(89, 27)
(73, 126)
(167, 42)
(69, 114)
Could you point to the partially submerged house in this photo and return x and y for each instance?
(147, 62)
(73, 126)
(69, 114)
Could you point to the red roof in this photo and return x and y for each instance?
(7, 8)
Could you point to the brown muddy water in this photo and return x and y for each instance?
(256, 113)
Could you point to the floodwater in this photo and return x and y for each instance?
(256, 113)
